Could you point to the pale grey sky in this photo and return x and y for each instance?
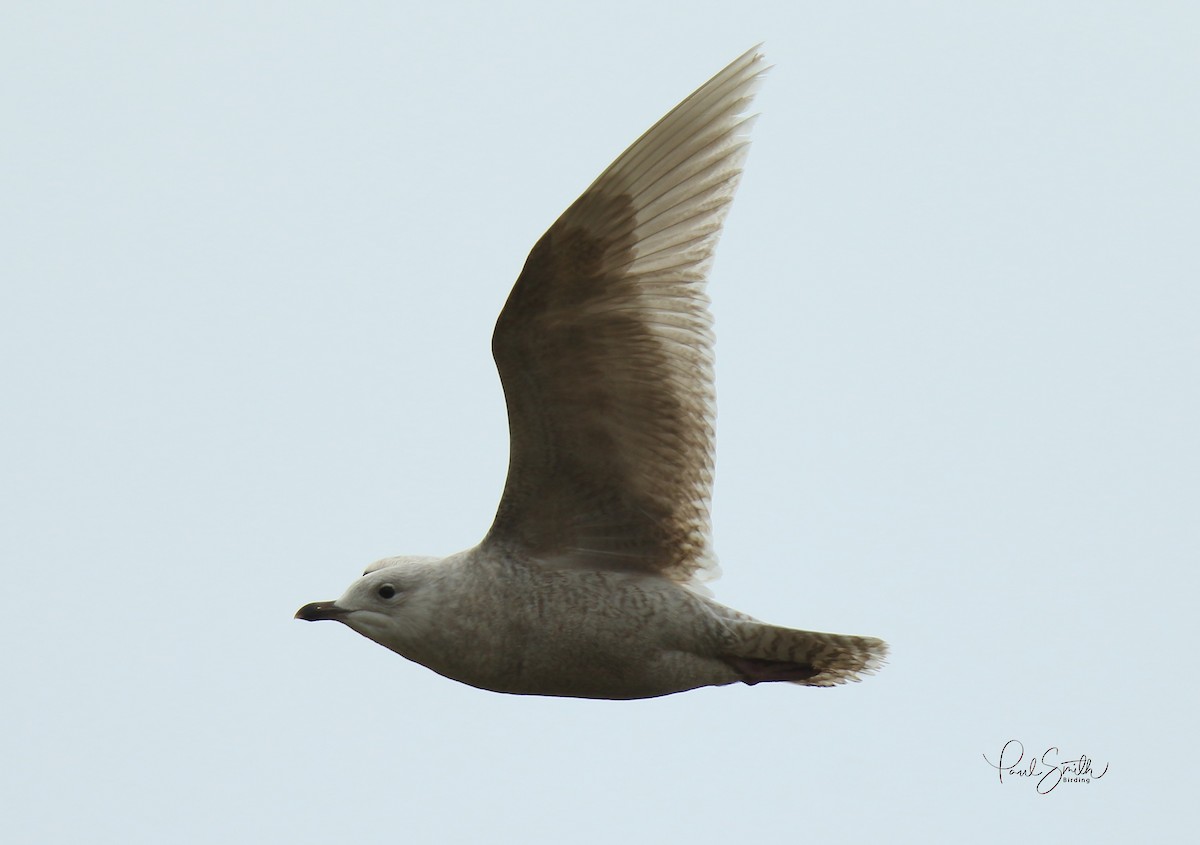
(252, 255)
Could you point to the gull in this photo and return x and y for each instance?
(590, 581)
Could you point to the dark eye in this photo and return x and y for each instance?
(387, 591)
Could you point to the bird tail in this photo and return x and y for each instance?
(770, 653)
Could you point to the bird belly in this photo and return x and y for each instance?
(581, 634)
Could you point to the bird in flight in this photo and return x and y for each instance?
(590, 581)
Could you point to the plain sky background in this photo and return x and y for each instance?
(251, 255)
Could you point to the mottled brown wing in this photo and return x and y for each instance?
(605, 352)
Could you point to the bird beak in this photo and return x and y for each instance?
(319, 610)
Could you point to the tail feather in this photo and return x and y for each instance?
(770, 653)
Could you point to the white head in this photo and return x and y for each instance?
(386, 604)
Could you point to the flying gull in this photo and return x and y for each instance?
(590, 581)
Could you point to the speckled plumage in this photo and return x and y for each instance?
(588, 582)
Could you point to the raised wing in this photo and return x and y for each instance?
(605, 352)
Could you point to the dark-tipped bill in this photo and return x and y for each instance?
(319, 610)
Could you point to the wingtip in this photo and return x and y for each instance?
(755, 57)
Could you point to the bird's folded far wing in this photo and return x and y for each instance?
(605, 352)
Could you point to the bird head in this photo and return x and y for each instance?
(384, 604)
